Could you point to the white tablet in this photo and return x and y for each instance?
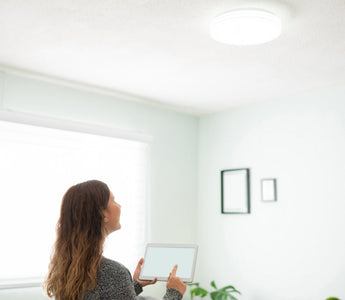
(161, 258)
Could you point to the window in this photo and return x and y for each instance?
(38, 164)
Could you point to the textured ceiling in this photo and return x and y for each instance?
(160, 50)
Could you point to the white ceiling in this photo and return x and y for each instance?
(160, 50)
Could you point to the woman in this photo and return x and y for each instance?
(77, 269)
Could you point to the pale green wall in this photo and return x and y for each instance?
(289, 250)
(173, 148)
(293, 249)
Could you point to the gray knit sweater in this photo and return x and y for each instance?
(114, 282)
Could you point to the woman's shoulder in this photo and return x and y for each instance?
(112, 266)
(106, 262)
(109, 262)
(112, 277)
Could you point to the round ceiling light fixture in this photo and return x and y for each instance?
(246, 26)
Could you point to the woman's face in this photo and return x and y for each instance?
(112, 215)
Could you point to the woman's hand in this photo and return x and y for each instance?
(137, 273)
(176, 282)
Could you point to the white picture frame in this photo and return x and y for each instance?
(268, 190)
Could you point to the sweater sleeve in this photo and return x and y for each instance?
(137, 287)
(172, 294)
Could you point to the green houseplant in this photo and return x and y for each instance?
(223, 293)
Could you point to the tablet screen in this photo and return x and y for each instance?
(161, 258)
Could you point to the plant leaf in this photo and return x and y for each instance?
(214, 295)
(230, 287)
(213, 284)
(198, 291)
(193, 283)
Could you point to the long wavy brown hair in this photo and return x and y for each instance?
(79, 244)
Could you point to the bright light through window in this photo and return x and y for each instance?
(37, 166)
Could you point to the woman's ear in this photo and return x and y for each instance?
(105, 216)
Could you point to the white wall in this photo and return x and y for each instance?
(295, 248)
(173, 150)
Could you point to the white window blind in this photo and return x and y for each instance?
(37, 165)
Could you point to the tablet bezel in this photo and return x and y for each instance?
(189, 279)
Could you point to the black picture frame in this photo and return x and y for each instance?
(235, 191)
(269, 190)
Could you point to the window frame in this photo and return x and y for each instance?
(73, 126)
